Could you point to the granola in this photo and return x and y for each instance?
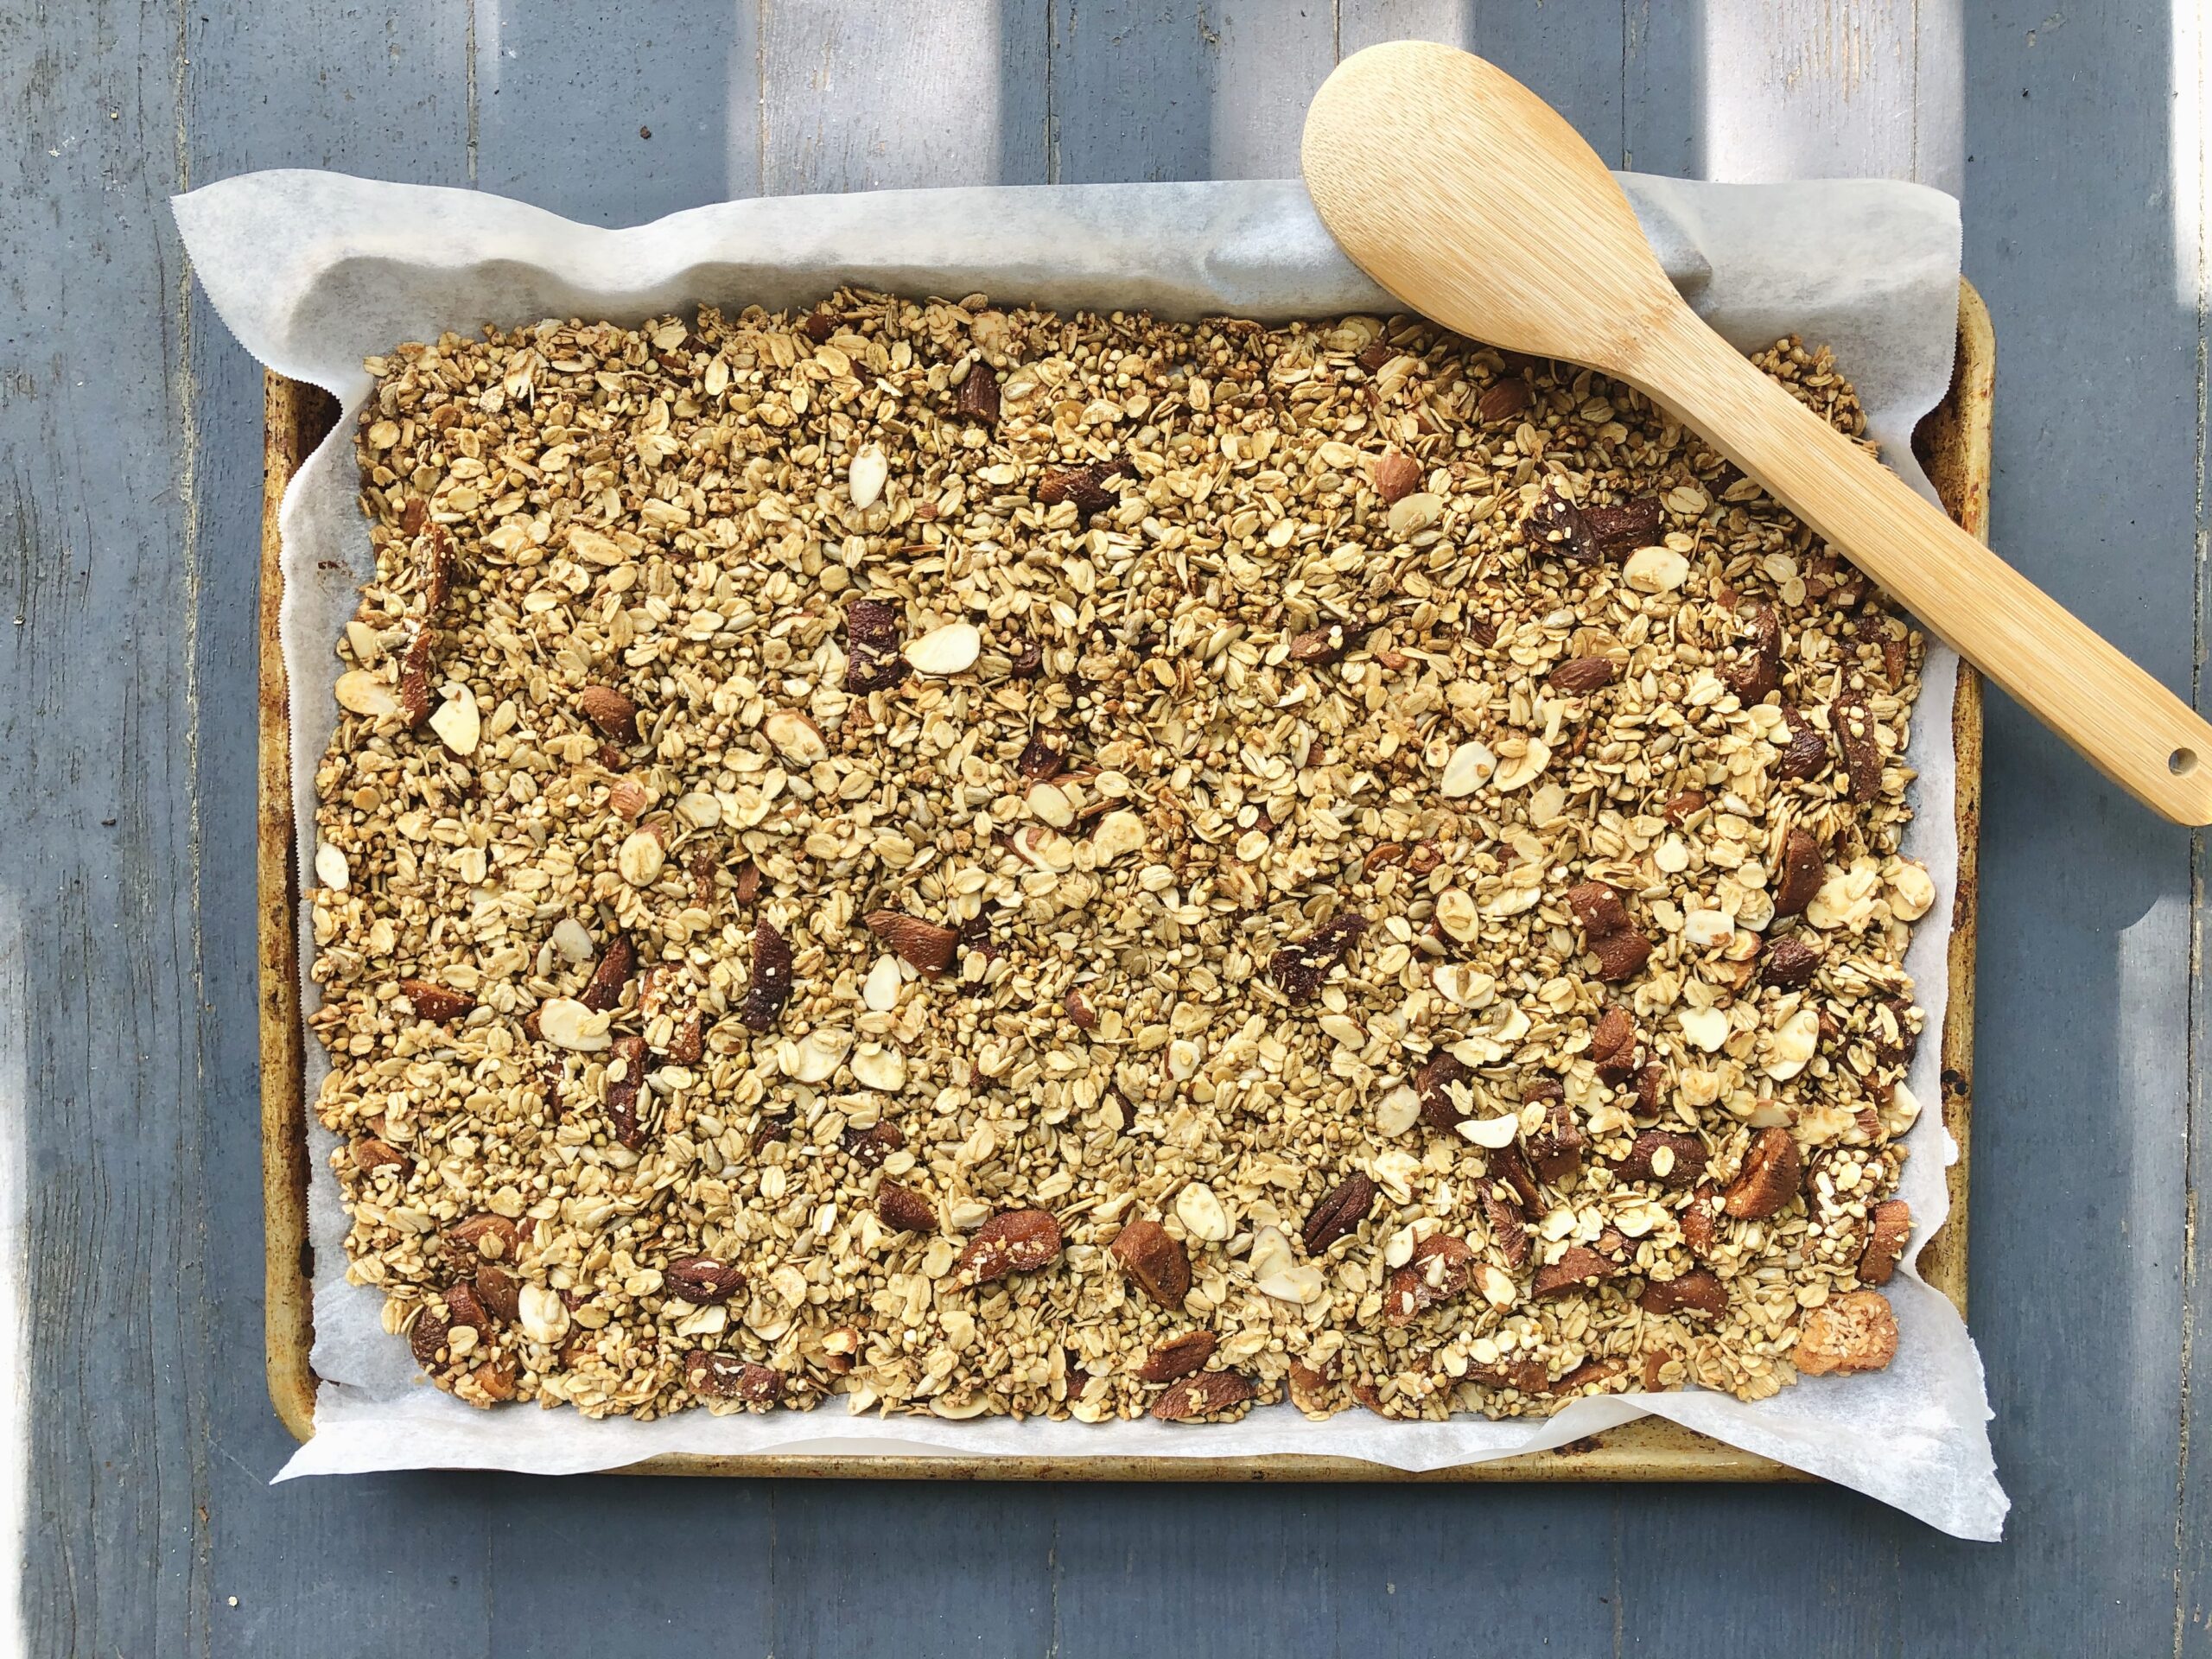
(994, 862)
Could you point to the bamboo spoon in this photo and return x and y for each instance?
(1467, 196)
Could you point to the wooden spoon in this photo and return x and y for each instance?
(1468, 197)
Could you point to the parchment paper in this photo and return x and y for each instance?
(314, 271)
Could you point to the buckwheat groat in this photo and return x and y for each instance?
(991, 862)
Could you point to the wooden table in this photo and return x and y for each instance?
(129, 1160)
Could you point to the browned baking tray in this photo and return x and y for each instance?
(1953, 445)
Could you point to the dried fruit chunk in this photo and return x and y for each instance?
(1620, 949)
(1578, 1268)
(1084, 485)
(1757, 668)
(1207, 1394)
(1441, 1268)
(1768, 1179)
(1155, 1258)
(903, 1210)
(1805, 753)
(1341, 1213)
(1302, 968)
(435, 1002)
(1507, 1229)
(1699, 1291)
(1666, 1156)
(1613, 1049)
(415, 663)
(1320, 645)
(501, 1293)
(1586, 535)
(870, 1146)
(1040, 761)
(1700, 1222)
(1889, 1225)
(370, 1153)
(979, 394)
(725, 1377)
(1579, 676)
(1019, 1241)
(612, 711)
(770, 986)
(622, 1092)
(1853, 724)
(1179, 1356)
(1802, 869)
(1504, 399)
(702, 1279)
(1555, 1150)
(604, 990)
(1856, 1331)
(925, 944)
(873, 662)
(1441, 1106)
(1790, 961)
(443, 1314)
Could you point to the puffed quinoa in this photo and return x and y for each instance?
(838, 817)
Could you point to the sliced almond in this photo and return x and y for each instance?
(1118, 833)
(880, 990)
(866, 477)
(1412, 514)
(1514, 770)
(879, 1067)
(1794, 1045)
(797, 738)
(361, 692)
(1398, 1110)
(951, 649)
(816, 1057)
(1302, 1284)
(640, 858)
(457, 723)
(1472, 765)
(568, 1023)
(1706, 1027)
(1912, 891)
(1201, 1212)
(330, 867)
(1048, 803)
(1707, 928)
(1494, 1133)
(1655, 570)
(572, 939)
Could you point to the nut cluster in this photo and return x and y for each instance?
(994, 862)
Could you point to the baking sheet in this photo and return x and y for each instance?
(314, 271)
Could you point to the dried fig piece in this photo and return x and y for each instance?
(1790, 961)
(979, 394)
(1320, 645)
(688, 1041)
(1555, 1150)
(415, 665)
(1666, 1156)
(1084, 485)
(1620, 949)
(435, 1002)
(769, 988)
(1853, 724)
(1507, 1229)
(873, 660)
(1598, 907)
(1768, 1179)
(1040, 762)
(725, 1377)
(1586, 535)
(1341, 1213)
(501, 1292)
(1856, 1331)
(1018, 1241)
(1579, 1267)
(1179, 1356)
(1681, 808)
(1888, 1226)
(1805, 752)
(1699, 1291)
(903, 1210)
(622, 1092)
(1613, 1047)
(1802, 871)
(1207, 1394)
(1434, 1081)
(819, 325)
(1441, 1268)
(925, 944)
(1155, 1258)
(1508, 1164)
(1700, 1222)
(1757, 668)
(604, 989)
(869, 1147)
(1649, 1082)
(1302, 968)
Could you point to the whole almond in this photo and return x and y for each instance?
(1579, 676)
(925, 945)
(627, 798)
(1613, 1047)
(501, 1293)
(611, 711)
(1396, 476)
(487, 1237)
(702, 1279)
(1338, 1215)
(1507, 1228)
(1206, 1395)
(370, 1153)
(1805, 752)
(1503, 400)
(1155, 1258)
(979, 394)
(622, 1092)
(951, 649)
(1179, 1356)
(903, 1210)
(604, 989)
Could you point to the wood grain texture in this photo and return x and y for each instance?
(1473, 202)
(139, 1048)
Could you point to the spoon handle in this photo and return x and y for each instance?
(2135, 731)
